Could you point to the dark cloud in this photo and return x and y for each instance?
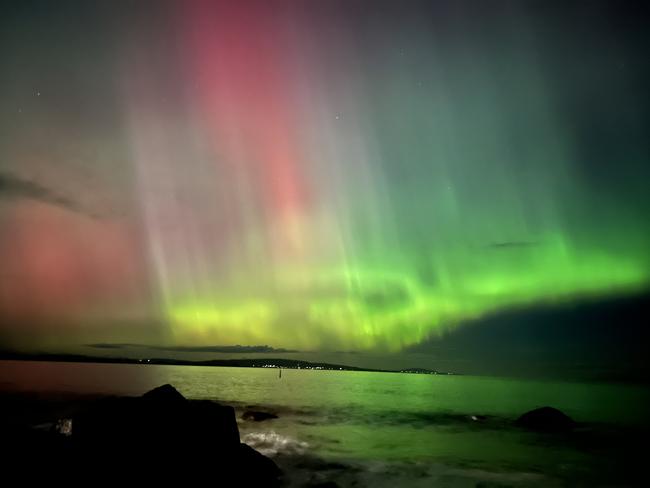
(224, 349)
(260, 349)
(603, 339)
(110, 346)
(511, 244)
(14, 187)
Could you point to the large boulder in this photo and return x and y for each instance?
(162, 434)
(263, 467)
(164, 395)
(159, 420)
(546, 419)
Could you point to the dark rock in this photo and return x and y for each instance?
(258, 416)
(546, 419)
(183, 437)
(264, 467)
(214, 421)
(165, 394)
(160, 419)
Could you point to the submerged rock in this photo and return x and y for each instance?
(546, 419)
(258, 416)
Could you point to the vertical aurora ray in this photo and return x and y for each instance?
(334, 176)
(327, 198)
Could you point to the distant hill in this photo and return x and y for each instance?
(419, 371)
(233, 363)
(267, 363)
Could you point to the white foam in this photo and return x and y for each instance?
(64, 426)
(271, 443)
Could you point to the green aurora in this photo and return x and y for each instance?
(334, 181)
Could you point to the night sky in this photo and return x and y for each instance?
(461, 185)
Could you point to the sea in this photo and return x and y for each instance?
(351, 428)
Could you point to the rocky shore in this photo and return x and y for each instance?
(162, 437)
(155, 438)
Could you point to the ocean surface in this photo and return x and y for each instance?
(385, 429)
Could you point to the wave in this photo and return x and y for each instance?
(420, 419)
(273, 444)
(362, 416)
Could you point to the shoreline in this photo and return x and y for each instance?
(269, 363)
(258, 363)
(304, 465)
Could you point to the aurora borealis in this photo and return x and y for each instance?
(316, 176)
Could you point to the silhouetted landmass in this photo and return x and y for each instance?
(232, 363)
(421, 371)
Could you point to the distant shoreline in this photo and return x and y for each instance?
(233, 363)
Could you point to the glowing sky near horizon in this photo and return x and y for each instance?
(313, 176)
